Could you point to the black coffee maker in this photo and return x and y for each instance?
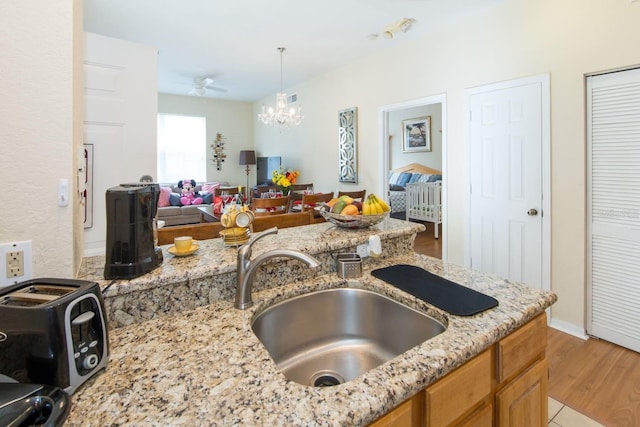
(131, 246)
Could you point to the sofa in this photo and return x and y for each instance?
(172, 212)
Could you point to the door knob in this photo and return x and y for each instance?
(532, 212)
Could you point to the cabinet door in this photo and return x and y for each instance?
(405, 415)
(483, 417)
(523, 402)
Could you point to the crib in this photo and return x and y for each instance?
(424, 202)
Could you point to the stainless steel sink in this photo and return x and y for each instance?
(327, 337)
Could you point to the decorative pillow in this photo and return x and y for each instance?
(425, 178)
(393, 178)
(403, 179)
(396, 187)
(415, 177)
(210, 187)
(163, 200)
(434, 178)
(207, 199)
(174, 199)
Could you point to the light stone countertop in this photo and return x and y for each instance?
(205, 366)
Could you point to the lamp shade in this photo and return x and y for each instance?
(247, 157)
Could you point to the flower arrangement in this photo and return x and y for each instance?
(284, 179)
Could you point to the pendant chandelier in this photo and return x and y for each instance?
(281, 116)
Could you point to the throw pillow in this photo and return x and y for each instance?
(163, 200)
(403, 179)
(435, 178)
(210, 187)
(207, 199)
(174, 199)
(415, 177)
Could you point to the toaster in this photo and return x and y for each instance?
(52, 332)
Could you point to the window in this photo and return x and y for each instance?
(182, 148)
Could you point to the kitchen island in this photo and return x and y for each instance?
(204, 366)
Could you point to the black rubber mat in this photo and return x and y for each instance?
(445, 294)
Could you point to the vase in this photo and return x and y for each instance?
(285, 190)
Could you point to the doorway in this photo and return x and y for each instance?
(508, 226)
(389, 128)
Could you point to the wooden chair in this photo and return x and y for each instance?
(261, 189)
(297, 190)
(353, 194)
(277, 206)
(309, 202)
(232, 191)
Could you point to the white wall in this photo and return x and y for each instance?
(519, 38)
(433, 158)
(233, 119)
(40, 124)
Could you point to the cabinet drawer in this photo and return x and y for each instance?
(456, 394)
(483, 417)
(518, 350)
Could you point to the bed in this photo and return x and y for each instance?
(417, 190)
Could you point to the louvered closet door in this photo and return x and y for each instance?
(613, 121)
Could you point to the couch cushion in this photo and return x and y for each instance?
(169, 211)
(163, 200)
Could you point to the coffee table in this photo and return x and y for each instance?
(207, 213)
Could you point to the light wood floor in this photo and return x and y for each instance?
(594, 377)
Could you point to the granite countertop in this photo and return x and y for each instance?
(206, 367)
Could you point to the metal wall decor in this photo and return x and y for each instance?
(347, 145)
(218, 151)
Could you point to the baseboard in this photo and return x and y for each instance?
(94, 252)
(568, 328)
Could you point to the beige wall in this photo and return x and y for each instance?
(567, 39)
(433, 158)
(233, 119)
(40, 124)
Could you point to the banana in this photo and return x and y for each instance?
(385, 207)
(366, 207)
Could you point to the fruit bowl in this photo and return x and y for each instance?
(353, 221)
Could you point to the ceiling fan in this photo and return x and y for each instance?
(202, 84)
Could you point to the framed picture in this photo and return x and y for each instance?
(347, 145)
(416, 134)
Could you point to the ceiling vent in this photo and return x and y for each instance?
(291, 99)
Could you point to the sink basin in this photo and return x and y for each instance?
(328, 337)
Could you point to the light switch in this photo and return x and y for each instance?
(63, 192)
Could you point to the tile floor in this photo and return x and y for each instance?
(560, 415)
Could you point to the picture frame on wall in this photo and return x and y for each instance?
(416, 134)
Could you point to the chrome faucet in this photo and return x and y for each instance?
(246, 268)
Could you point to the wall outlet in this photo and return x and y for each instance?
(15, 262)
(363, 250)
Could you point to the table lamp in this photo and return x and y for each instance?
(247, 157)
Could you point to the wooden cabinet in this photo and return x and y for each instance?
(459, 393)
(506, 385)
(408, 414)
(522, 376)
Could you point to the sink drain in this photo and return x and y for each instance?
(326, 379)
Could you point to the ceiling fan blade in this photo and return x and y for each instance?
(217, 89)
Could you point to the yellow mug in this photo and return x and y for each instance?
(183, 243)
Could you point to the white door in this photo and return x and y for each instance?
(613, 214)
(120, 122)
(506, 181)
